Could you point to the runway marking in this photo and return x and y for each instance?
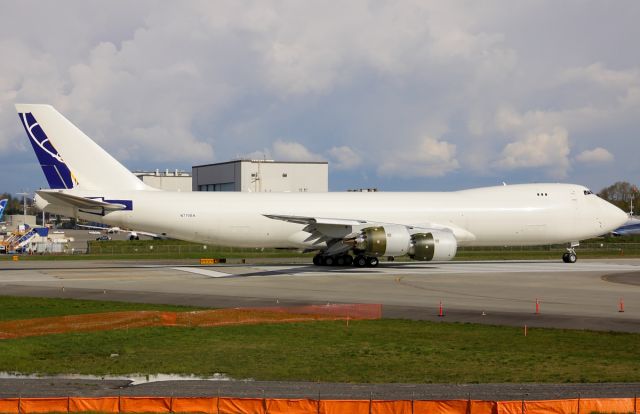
(446, 268)
(203, 272)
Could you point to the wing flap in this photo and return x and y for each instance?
(315, 220)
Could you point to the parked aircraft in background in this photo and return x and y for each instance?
(3, 206)
(133, 234)
(630, 228)
(88, 183)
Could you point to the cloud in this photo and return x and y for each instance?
(344, 158)
(548, 150)
(595, 156)
(196, 82)
(429, 158)
(293, 151)
(598, 73)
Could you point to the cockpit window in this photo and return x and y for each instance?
(587, 192)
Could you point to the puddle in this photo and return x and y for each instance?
(136, 379)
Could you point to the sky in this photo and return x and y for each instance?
(397, 95)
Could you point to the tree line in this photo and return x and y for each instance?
(622, 194)
(15, 204)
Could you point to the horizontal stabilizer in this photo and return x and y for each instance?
(74, 201)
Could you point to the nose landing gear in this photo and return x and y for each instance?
(570, 256)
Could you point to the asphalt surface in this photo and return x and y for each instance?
(585, 295)
(56, 387)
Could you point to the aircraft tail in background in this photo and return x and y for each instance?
(68, 157)
(3, 206)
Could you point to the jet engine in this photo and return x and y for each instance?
(397, 240)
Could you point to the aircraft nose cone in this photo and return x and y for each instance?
(613, 216)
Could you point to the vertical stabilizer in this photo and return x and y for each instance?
(3, 205)
(69, 158)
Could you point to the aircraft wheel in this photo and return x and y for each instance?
(569, 257)
(360, 261)
(329, 261)
(348, 260)
(340, 261)
(317, 260)
(372, 261)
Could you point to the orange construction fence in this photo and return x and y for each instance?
(226, 405)
(217, 317)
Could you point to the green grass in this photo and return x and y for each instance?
(365, 351)
(12, 308)
(619, 247)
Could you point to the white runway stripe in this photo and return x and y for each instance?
(415, 268)
(201, 271)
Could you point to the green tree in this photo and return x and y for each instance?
(621, 194)
(14, 204)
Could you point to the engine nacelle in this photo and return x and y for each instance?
(392, 240)
(397, 240)
(434, 245)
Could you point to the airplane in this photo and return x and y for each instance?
(133, 234)
(109, 230)
(630, 228)
(344, 228)
(3, 205)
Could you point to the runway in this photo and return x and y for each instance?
(585, 295)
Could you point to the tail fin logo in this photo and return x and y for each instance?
(55, 170)
(3, 205)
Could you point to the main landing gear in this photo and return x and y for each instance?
(345, 260)
(570, 256)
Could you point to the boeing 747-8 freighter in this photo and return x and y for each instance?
(343, 227)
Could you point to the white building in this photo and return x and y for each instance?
(262, 176)
(166, 180)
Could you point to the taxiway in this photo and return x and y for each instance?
(587, 295)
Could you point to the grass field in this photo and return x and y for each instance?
(13, 308)
(624, 247)
(364, 351)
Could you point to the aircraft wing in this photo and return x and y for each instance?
(92, 227)
(133, 233)
(339, 234)
(316, 220)
(335, 233)
(143, 233)
(69, 200)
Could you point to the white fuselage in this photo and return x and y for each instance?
(524, 214)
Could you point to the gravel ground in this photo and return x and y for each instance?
(50, 387)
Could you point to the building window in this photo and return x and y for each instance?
(217, 187)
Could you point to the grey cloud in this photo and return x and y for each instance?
(361, 83)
